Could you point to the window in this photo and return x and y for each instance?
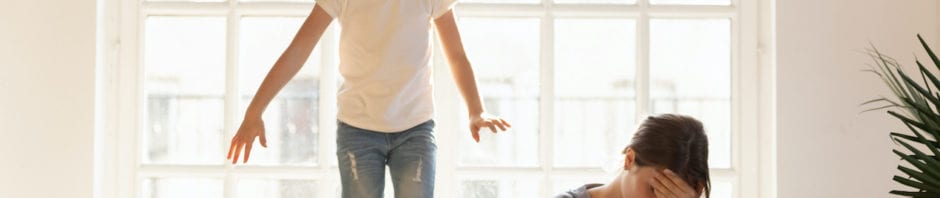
(574, 77)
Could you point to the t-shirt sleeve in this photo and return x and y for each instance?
(332, 7)
(439, 7)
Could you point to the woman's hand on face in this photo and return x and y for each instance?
(667, 184)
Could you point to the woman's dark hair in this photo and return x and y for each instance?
(676, 142)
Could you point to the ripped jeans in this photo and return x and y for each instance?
(363, 155)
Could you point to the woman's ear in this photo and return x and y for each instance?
(629, 159)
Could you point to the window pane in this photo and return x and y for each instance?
(181, 187)
(291, 120)
(691, 74)
(185, 84)
(692, 2)
(722, 190)
(594, 89)
(497, 188)
(250, 188)
(505, 55)
(595, 1)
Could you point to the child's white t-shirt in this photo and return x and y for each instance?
(385, 50)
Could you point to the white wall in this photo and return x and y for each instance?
(826, 148)
(47, 61)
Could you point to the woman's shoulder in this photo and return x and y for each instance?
(566, 195)
(580, 192)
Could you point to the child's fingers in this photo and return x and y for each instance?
(247, 151)
(499, 124)
(475, 132)
(505, 123)
(238, 151)
(264, 140)
(231, 148)
(492, 128)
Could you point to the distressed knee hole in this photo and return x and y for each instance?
(417, 177)
(352, 164)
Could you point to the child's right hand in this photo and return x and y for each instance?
(247, 132)
(477, 122)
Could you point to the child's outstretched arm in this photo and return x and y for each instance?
(283, 70)
(463, 73)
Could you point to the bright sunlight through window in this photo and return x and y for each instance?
(575, 77)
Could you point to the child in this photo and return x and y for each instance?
(385, 103)
(667, 154)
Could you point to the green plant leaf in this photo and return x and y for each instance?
(908, 120)
(926, 73)
(879, 108)
(911, 138)
(882, 99)
(923, 140)
(920, 105)
(880, 73)
(914, 88)
(885, 70)
(927, 164)
(916, 184)
(925, 178)
(930, 53)
(915, 194)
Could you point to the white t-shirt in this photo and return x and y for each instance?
(385, 49)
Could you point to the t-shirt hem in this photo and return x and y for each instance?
(385, 129)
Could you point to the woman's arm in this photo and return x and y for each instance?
(463, 75)
(283, 70)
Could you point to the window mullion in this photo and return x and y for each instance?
(130, 103)
(746, 100)
(547, 97)
(232, 91)
(736, 104)
(643, 63)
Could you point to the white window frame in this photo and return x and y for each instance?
(744, 38)
(121, 38)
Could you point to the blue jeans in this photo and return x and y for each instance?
(409, 154)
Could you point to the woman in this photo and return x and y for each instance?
(668, 158)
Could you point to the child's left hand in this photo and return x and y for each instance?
(477, 122)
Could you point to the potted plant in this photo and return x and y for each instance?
(916, 103)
